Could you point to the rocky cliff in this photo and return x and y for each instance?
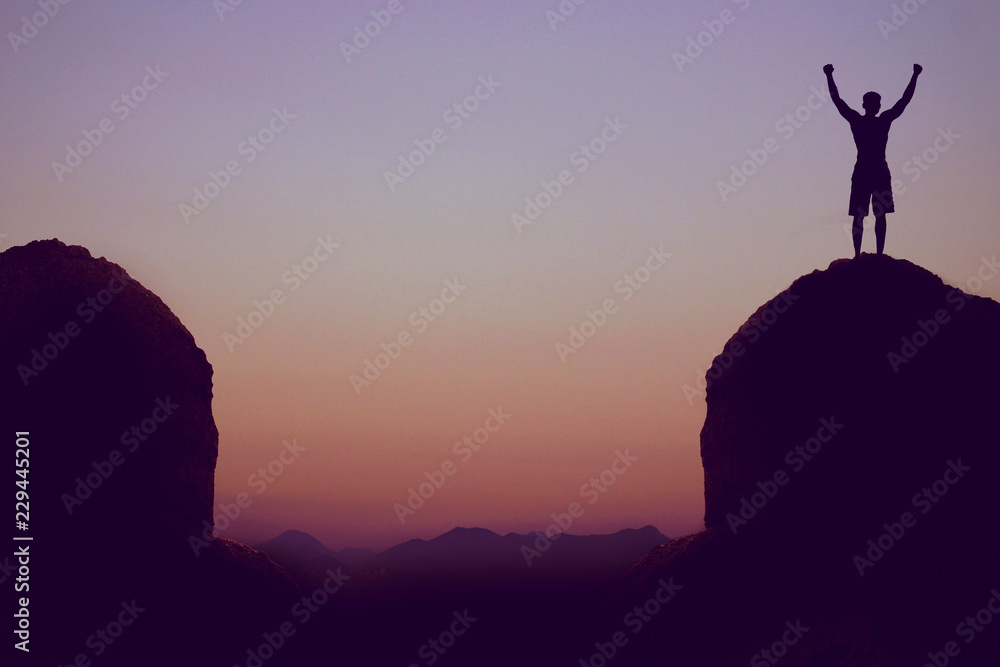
(851, 454)
(114, 397)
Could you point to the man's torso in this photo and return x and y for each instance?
(871, 133)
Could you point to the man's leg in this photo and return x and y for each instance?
(880, 233)
(858, 229)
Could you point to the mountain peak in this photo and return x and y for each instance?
(850, 454)
(876, 355)
(467, 533)
(88, 353)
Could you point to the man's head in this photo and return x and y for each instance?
(871, 103)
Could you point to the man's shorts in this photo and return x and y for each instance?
(871, 184)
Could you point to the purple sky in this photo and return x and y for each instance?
(596, 118)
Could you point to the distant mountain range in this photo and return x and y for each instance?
(307, 560)
(296, 545)
(470, 552)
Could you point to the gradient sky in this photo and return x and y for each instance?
(679, 132)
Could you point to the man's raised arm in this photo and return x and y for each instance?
(897, 110)
(845, 111)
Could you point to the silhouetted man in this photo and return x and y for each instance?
(871, 181)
